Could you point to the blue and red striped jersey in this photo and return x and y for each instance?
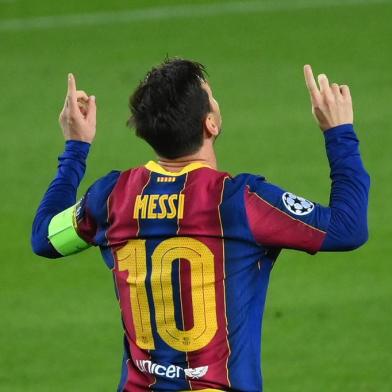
(191, 254)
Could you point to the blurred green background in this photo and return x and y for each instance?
(327, 325)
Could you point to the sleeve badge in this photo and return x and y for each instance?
(297, 205)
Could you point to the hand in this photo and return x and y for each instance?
(78, 117)
(331, 104)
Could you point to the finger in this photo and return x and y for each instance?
(83, 105)
(335, 90)
(72, 94)
(81, 95)
(67, 96)
(345, 91)
(82, 99)
(311, 83)
(91, 109)
(65, 104)
(324, 84)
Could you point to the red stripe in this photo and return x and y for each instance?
(122, 201)
(272, 227)
(186, 297)
(202, 222)
(123, 227)
(87, 227)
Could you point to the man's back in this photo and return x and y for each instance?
(191, 254)
(168, 235)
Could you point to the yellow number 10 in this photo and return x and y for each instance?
(132, 258)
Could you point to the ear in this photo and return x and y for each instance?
(211, 126)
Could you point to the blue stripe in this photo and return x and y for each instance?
(107, 256)
(177, 294)
(124, 368)
(96, 204)
(245, 287)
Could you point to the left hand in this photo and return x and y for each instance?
(78, 117)
(331, 104)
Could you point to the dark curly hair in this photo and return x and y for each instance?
(169, 106)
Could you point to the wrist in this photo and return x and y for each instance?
(77, 147)
(79, 139)
(346, 126)
(340, 141)
(339, 130)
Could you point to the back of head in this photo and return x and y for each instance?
(169, 106)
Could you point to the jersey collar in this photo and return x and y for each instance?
(154, 167)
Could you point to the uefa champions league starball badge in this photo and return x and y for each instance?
(297, 205)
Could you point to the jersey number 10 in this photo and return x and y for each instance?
(132, 258)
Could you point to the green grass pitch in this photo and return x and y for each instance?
(327, 326)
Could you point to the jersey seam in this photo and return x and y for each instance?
(224, 279)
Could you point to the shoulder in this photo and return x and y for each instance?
(107, 179)
(231, 184)
(238, 187)
(246, 181)
(104, 185)
(98, 193)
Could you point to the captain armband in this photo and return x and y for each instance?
(62, 233)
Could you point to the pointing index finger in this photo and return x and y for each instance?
(72, 95)
(311, 82)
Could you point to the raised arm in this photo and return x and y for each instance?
(333, 110)
(78, 123)
(281, 219)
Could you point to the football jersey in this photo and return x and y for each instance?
(191, 254)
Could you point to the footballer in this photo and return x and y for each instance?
(191, 247)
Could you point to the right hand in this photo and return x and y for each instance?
(78, 117)
(331, 104)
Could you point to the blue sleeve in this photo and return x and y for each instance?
(348, 227)
(282, 219)
(60, 195)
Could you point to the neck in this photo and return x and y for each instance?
(206, 155)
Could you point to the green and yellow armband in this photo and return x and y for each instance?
(62, 233)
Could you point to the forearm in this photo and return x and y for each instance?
(60, 195)
(349, 192)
